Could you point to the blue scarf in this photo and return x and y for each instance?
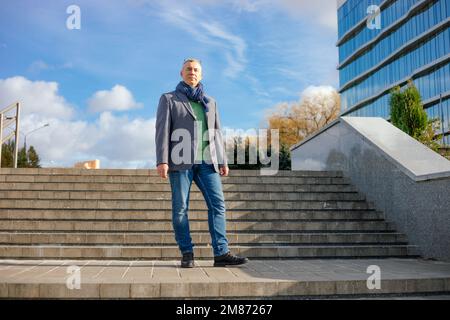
(194, 94)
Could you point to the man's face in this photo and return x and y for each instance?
(191, 73)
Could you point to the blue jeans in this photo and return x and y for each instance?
(208, 181)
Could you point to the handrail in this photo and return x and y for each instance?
(6, 122)
(10, 107)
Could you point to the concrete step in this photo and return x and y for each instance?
(143, 195)
(194, 204)
(167, 238)
(126, 214)
(160, 187)
(81, 214)
(153, 172)
(195, 225)
(201, 252)
(157, 180)
(260, 279)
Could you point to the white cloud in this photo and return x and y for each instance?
(290, 73)
(315, 92)
(313, 95)
(245, 5)
(234, 66)
(38, 66)
(125, 140)
(119, 98)
(248, 5)
(119, 142)
(324, 96)
(38, 97)
(322, 12)
(281, 90)
(215, 30)
(209, 32)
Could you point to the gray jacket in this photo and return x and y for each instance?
(176, 133)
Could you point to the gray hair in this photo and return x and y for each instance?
(192, 60)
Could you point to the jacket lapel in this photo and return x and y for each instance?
(186, 103)
(210, 115)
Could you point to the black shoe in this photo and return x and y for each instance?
(229, 260)
(188, 260)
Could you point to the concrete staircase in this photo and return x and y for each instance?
(308, 235)
(125, 215)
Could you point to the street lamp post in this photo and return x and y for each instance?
(26, 134)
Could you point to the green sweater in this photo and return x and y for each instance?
(202, 126)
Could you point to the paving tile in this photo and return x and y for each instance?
(166, 273)
(222, 274)
(138, 273)
(24, 272)
(193, 275)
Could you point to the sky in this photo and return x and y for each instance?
(98, 86)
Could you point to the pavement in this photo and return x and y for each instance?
(258, 279)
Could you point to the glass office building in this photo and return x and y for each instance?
(411, 42)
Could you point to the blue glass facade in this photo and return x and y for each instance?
(412, 43)
(390, 15)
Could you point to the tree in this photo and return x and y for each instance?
(408, 114)
(8, 154)
(22, 160)
(429, 137)
(318, 107)
(296, 121)
(288, 126)
(33, 158)
(407, 111)
(28, 159)
(240, 145)
(285, 158)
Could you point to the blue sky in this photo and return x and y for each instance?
(99, 86)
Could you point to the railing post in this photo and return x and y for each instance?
(16, 147)
(5, 120)
(1, 137)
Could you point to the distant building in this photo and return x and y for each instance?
(90, 164)
(404, 39)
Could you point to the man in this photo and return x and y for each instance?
(187, 151)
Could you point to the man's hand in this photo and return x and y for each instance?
(162, 169)
(224, 171)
